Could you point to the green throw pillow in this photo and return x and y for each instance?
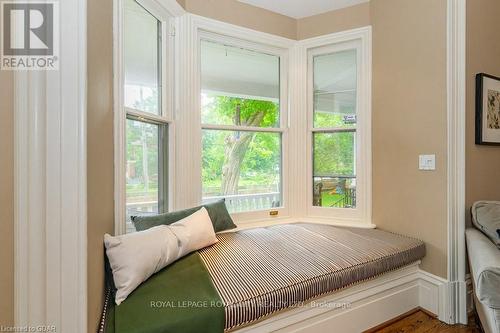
(217, 211)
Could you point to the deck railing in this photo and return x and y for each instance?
(348, 199)
(139, 208)
(248, 202)
(235, 203)
(337, 184)
(142, 208)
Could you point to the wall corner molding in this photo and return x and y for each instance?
(50, 185)
(456, 32)
(434, 294)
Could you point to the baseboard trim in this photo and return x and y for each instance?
(364, 306)
(434, 295)
(451, 300)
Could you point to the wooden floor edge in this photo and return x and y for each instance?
(398, 318)
(433, 315)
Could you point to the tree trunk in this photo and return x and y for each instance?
(236, 147)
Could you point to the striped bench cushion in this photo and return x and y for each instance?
(263, 270)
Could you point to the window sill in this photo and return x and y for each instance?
(287, 219)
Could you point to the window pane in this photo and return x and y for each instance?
(239, 86)
(334, 178)
(141, 59)
(335, 82)
(142, 171)
(243, 167)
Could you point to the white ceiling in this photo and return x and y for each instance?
(302, 8)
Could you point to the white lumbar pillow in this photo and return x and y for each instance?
(135, 257)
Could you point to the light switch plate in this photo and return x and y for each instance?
(427, 162)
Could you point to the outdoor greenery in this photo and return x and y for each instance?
(223, 110)
(142, 160)
(327, 119)
(236, 161)
(334, 154)
(142, 151)
(328, 199)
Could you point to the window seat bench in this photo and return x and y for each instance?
(261, 271)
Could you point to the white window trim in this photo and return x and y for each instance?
(282, 53)
(194, 28)
(165, 11)
(359, 39)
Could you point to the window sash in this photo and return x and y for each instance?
(165, 105)
(362, 211)
(333, 130)
(253, 214)
(204, 35)
(146, 7)
(351, 176)
(243, 128)
(280, 189)
(163, 154)
(146, 116)
(282, 127)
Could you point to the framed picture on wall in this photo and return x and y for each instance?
(487, 109)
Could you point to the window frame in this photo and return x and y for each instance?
(259, 42)
(164, 120)
(282, 129)
(359, 39)
(163, 154)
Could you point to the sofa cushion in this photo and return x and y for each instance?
(484, 259)
(221, 220)
(486, 217)
(136, 256)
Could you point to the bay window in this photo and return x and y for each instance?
(275, 127)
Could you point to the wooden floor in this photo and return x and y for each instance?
(421, 322)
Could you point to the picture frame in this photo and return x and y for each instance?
(487, 110)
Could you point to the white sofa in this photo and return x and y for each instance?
(484, 262)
